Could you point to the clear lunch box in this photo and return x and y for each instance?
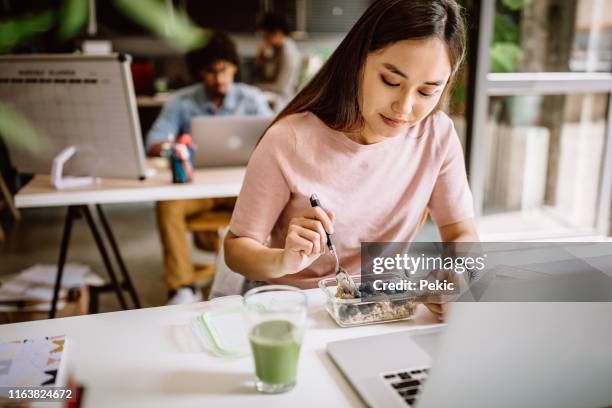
(383, 307)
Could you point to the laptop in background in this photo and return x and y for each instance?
(223, 141)
(490, 355)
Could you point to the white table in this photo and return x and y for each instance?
(214, 182)
(149, 358)
(208, 183)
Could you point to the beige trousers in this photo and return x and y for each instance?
(173, 218)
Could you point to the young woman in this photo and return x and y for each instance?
(368, 137)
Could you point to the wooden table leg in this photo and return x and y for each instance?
(6, 194)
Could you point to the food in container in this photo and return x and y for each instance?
(371, 307)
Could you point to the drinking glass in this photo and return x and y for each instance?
(276, 319)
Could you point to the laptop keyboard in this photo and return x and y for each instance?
(407, 383)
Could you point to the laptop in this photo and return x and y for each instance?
(223, 141)
(489, 355)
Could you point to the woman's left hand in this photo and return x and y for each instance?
(439, 309)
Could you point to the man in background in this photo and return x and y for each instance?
(278, 62)
(214, 66)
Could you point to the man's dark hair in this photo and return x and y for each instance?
(271, 22)
(219, 47)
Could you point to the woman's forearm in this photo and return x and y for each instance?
(463, 231)
(251, 259)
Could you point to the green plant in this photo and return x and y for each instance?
(505, 51)
(19, 30)
(174, 26)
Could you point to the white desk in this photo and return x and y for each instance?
(208, 183)
(221, 182)
(149, 358)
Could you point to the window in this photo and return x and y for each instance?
(540, 152)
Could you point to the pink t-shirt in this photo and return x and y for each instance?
(378, 192)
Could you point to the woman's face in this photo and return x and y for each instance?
(402, 84)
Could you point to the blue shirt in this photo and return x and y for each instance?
(175, 117)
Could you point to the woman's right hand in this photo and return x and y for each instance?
(306, 239)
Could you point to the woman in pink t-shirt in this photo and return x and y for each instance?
(366, 134)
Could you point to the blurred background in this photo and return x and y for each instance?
(532, 104)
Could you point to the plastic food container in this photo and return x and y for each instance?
(380, 308)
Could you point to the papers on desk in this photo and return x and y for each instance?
(32, 363)
(32, 288)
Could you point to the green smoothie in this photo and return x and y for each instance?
(276, 348)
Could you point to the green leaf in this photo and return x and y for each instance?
(505, 57)
(16, 31)
(459, 93)
(17, 131)
(516, 4)
(170, 23)
(505, 29)
(73, 17)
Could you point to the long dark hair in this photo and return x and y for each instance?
(333, 93)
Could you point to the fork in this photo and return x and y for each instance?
(342, 277)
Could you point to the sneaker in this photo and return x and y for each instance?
(185, 295)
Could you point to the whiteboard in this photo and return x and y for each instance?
(77, 100)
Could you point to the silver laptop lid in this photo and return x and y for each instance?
(226, 140)
(523, 355)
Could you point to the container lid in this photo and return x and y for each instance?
(223, 331)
